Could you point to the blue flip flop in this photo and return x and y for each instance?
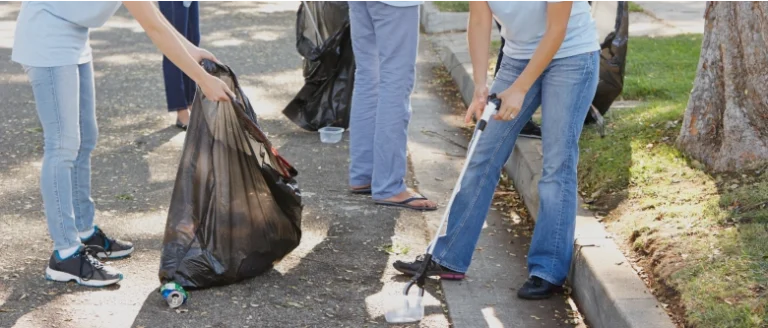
(406, 204)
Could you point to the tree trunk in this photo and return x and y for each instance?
(726, 122)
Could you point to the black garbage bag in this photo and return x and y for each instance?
(236, 207)
(323, 39)
(613, 60)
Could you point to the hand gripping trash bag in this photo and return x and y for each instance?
(323, 39)
(236, 208)
(613, 53)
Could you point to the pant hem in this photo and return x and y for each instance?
(448, 265)
(176, 109)
(389, 195)
(546, 277)
(77, 244)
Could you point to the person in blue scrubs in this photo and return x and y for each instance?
(385, 39)
(550, 59)
(51, 43)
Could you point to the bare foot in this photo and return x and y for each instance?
(416, 204)
(183, 116)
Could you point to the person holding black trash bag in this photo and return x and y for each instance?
(51, 42)
(551, 58)
(385, 39)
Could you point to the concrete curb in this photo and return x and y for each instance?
(436, 21)
(606, 288)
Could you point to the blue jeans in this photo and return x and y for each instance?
(564, 91)
(179, 88)
(64, 97)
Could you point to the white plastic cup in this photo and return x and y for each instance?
(331, 135)
(405, 309)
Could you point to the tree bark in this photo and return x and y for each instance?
(726, 122)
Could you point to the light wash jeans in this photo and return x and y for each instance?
(64, 97)
(385, 41)
(564, 91)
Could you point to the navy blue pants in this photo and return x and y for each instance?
(179, 88)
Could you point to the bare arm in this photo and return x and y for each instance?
(170, 43)
(479, 40)
(512, 99)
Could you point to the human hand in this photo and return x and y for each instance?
(199, 54)
(215, 89)
(479, 100)
(511, 103)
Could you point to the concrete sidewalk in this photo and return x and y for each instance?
(668, 18)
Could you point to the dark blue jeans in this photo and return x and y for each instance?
(179, 88)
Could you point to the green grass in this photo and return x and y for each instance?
(452, 6)
(635, 8)
(661, 68)
(702, 235)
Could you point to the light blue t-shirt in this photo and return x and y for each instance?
(523, 24)
(403, 3)
(55, 33)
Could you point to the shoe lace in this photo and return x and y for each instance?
(88, 257)
(107, 242)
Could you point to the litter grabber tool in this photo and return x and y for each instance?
(409, 308)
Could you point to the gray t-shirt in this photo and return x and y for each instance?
(523, 24)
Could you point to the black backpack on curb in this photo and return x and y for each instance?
(613, 61)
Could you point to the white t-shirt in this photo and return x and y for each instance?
(523, 24)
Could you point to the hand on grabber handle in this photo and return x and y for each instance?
(511, 102)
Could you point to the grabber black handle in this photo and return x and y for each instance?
(490, 108)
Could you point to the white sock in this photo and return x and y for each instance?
(65, 253)
(87, 234)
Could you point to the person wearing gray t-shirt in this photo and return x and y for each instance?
(550, 59)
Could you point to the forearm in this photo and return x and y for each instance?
(542, 56)
(164, 36)
(187, 45)
(479, 40)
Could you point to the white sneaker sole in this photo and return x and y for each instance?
(116, 255)
(54, 275)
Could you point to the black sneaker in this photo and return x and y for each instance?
(531, 130)
(112, 248)
(82, 268)
(537, 289)
(433, 270)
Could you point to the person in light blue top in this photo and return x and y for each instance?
(52, 44)
(551, 59)
(385, 38)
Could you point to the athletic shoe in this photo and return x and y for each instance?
(531, 130)
(537, 289)
(433, 270)
(112, 248)
(82, 268)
